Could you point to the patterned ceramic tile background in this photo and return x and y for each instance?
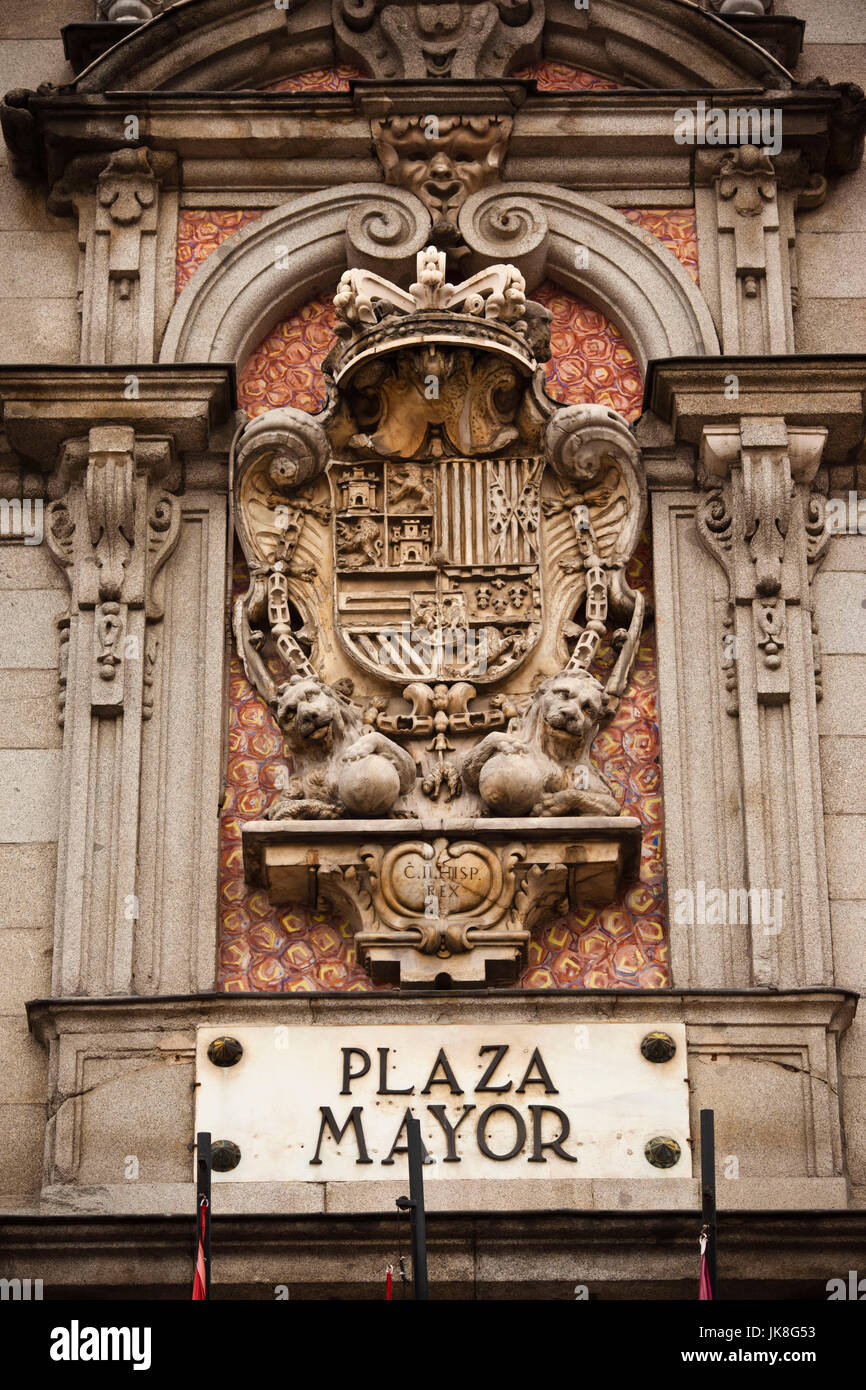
(550, 76)
(564, 77)
(263, 948)
(317, 80)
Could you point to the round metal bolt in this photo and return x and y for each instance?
(224, 1155)
(662, 1152)
(658, 1047)
(225, 1052)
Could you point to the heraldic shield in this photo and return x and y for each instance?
(436, 565)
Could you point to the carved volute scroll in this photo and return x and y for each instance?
(435, 561)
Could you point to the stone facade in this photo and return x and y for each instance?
(225, 235)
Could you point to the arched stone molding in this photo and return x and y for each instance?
(216, 45)
(265, 271)
(657, 43)
(219, 45)
(262, 273)
(598, 255)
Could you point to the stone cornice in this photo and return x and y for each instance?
(42, 406)
(623, 138)
(340, 1248)
(828, 1007)
(688, 393)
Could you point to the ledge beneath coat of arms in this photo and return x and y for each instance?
(434, 900)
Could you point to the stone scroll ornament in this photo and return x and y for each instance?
(465, 38)
(436, 559)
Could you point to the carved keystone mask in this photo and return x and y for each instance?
(442, 160)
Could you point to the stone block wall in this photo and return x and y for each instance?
(32, 595)
(38, 250)
(832, 239)
(841, 611)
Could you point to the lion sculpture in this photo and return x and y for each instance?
(343, 769)
(541, 766)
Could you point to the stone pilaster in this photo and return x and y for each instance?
(738, 648)
(759, 520)
(127, 232)
(745, 202)
(111, 532)
(123, 510)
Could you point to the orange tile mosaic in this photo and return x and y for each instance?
(286, 367)
(199, 232)
(551, 77)
(317, 80)
(675, 227)
(591, 359)
(565, 77)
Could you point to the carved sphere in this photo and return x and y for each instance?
(369, 786)
(511, 783)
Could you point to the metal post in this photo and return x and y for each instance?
(708, 1191)
(414, 1204)
(203, 1172)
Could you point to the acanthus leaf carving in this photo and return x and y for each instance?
(755, 479)
(111, 533)
(767, 496)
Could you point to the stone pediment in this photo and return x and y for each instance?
(231, 45)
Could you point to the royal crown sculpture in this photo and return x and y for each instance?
(436, 560)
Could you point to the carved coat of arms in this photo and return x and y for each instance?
(436, 559)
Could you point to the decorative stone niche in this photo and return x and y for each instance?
(435, 561)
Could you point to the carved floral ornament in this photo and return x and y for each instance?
(435, 560)
(459, 39)
(112, 532)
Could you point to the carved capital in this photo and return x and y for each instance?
(760, 522)
(747, 206)
(747, 179)
(111, 533)
(126, 189)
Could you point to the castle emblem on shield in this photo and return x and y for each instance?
(436, 565)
